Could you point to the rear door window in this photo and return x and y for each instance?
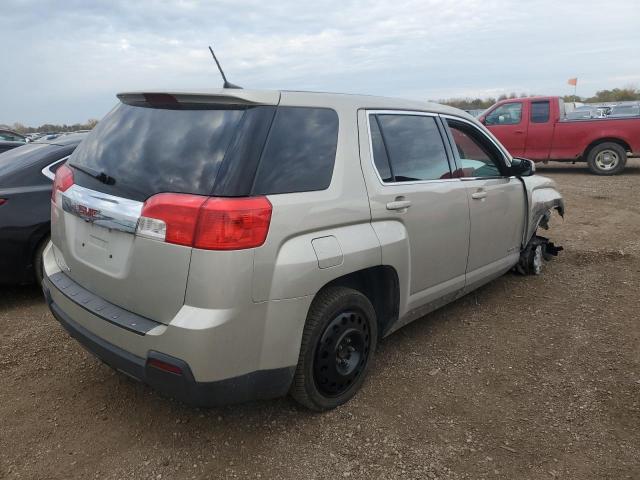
(147, 150)
(540, 112)
(300, 152)
(414, 146)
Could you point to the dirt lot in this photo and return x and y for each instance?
(530, 377)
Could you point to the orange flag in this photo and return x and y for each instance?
(573, 81)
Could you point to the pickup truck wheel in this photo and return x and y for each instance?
(607, 158)
(338, 344)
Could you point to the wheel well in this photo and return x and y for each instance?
(595, 143)
(37, 239)
(381, 286)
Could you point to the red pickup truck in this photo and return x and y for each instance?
(537, 128)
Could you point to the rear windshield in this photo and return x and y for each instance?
(145, 150)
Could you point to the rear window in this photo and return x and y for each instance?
(540, 112)
(300, 151)
(149, 150)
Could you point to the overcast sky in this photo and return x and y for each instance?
(64, 61)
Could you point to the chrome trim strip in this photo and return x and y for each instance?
(500, 177)
(102, 209)
(402, 112)
(368, 113)
(47, 173)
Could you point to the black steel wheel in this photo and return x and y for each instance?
(342, 353)
(337, 348)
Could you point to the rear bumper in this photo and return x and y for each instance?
(260, 384)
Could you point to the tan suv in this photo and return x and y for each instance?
(229, 245)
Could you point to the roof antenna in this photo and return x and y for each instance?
(226, 83)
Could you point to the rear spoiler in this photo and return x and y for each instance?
(213, 97)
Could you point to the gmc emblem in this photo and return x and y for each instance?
(86, 212)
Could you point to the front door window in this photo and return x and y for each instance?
(507, 114)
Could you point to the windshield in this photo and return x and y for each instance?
(145, 150)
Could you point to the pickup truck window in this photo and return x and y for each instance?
(478, 156)
(507, 114)
(414, 146)
(540, 111)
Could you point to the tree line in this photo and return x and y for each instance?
(51, 127)
(614, 95)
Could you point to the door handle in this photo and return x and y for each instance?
(399, 205)
(479, 195)
(519, 131)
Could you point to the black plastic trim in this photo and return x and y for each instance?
(238, 169)
(100, 307)
(261, 384)
(115, 357)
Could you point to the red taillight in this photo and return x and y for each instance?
(3, 201)
(233, 223)
(178, 212)
(62, 181)
(167, 367)
(209, 223)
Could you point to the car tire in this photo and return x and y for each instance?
(608, 158)
(38, 262)
(338, 344)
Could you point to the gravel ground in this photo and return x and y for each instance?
(529, 377)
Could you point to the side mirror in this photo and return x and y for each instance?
(522, 167)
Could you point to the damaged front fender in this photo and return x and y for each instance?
(542, 198)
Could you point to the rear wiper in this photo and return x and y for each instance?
(100, 176)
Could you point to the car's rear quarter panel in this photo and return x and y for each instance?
(341, 211)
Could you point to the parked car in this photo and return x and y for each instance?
(603, 112)
(6, 146)
(11, 136)
(51, 135)
(537, 128)
(626, 110)
(229, 245)
(26, 176)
